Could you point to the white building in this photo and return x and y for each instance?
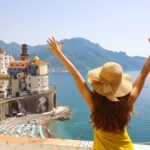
(5, 60)
(4, 84)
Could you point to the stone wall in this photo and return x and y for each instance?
(36, 103)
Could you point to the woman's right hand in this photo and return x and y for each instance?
(54, 46)
(79, 80)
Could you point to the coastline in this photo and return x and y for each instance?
(66, 71)
(34, 125)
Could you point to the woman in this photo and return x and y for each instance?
(110, 102)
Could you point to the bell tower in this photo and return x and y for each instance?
(24, 55)
(1, 50)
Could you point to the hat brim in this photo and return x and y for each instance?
(123, 88)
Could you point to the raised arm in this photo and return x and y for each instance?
(140, 80)
(79, 80)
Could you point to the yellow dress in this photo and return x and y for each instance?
(110, 141)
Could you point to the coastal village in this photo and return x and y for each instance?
(27, 101)
(28, 105)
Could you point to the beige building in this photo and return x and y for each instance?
(15, 87)
(37, 83)
(28, 81)
(42, 67)
(40, 81)
(27, 76)
(4, 84)
(24, 85)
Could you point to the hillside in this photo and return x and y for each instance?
(82, 53)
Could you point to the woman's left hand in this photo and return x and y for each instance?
(54, 46)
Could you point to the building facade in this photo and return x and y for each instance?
(37, 83)
(4, 85)
(28, 76)
(24, 85)
(5, 60)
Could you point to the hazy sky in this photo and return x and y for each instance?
(114, 24)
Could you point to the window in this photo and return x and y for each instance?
(29, 84)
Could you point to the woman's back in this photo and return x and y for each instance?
(111, 141)
(109, 121)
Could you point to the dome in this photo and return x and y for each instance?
(36, 58)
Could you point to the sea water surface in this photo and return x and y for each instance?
(79, 126)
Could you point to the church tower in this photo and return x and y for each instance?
(24, 55)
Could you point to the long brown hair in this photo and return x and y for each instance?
(111, 116)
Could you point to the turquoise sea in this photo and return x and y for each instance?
(79, 127)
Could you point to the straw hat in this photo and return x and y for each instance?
(110, 81)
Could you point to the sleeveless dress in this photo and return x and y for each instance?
(110, 141)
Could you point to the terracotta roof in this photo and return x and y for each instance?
(40, 62)
(19, 63)
(24, 63)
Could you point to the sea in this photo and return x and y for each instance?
(79, 125)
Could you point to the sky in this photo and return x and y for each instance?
(118, 25)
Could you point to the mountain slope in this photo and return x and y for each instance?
(82, 53)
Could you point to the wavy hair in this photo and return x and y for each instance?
(111, 116)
